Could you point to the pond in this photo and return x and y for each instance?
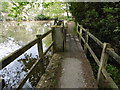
(13, 37)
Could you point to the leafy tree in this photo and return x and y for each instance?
(101, 18)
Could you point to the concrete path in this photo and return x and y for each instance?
(76, 70)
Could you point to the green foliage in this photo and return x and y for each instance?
(69, 19)
(101, 18)
(41, 17)
(117, 29)
(114, 73)
(47, 4)
(4, 6)
(17, 10)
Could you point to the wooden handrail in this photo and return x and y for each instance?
(110, 51)
(107, 51)
(44, 35)
(8, 59)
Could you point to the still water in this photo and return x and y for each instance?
(13, 37)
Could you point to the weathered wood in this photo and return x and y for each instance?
(49, 77)
(91, 51)
(93, 37)
(22, 82)
(82, 28)
(112, 53)
(80, 34)
(86, 41)
(40, 51)
(7, 60)
(48, 48)
(104, 56)
(47, 33)
(110, 82)
(103, 61)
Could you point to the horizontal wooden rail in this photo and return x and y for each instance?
(106, 52)
(93, 37)
(44, 35)
(113, 54)
(7, 60)
(22, 82)
(91, 51)
(48, 48)
(110, 51)
(109, 79)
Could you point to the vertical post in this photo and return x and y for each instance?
(58, 39)
(103, 61)
(40, 52)
(80, 33)
(86, 41)
(77, 29)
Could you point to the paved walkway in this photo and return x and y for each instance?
(76, 70)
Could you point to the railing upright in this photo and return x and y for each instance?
(103, 78)
(86, 41)
(40, 52)
(103, 61)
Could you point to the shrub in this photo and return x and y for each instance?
(41, 17)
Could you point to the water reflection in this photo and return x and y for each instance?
(12, 37)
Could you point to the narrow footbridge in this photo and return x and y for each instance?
(69, 66)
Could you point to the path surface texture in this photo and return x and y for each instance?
(76, 70)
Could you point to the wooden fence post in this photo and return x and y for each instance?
(40, 52)
(103, 61)
(86, 41)
(80, 34)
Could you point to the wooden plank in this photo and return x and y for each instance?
(22, 82)
(86, 41)
(112, 53)
(7, 60)
(48, 48)
(93, 37)
(47, 33)
(40, 51)
(110, 81)
(103, 62)
(93, 54)
(82, 28)
(91, 51)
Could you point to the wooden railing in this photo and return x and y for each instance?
(106, 52)
(7, 60)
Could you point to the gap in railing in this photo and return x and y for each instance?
(93, 46)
